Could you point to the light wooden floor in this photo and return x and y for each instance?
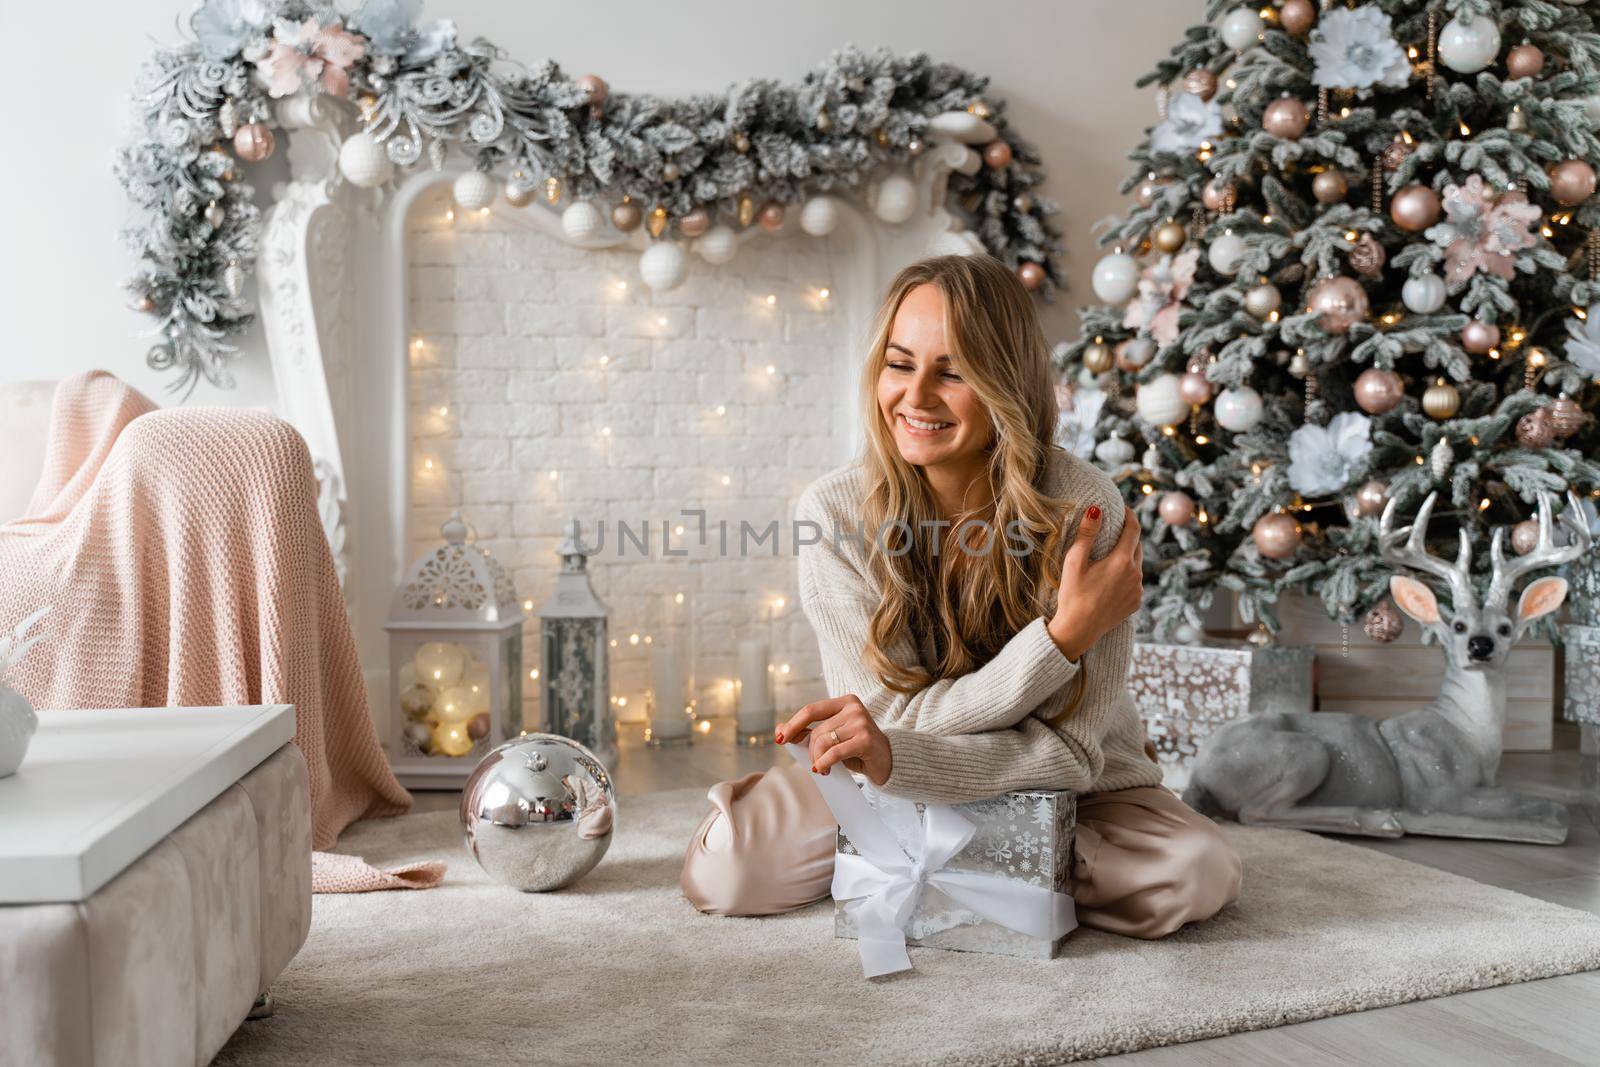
(1554, 1021)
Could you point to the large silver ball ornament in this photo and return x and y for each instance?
(538, 812)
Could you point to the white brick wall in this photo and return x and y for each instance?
(508, 386)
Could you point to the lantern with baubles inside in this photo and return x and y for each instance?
(455, 661)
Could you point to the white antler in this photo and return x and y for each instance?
(1544, 554)
(14, 647)
(1414, 553)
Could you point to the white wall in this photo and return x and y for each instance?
(1065, 68)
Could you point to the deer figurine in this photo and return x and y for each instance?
(1430, 770)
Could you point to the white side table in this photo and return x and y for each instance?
(155, 876)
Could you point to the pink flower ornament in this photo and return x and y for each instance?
(1162, 287)
(1483, 231)
(309, 55)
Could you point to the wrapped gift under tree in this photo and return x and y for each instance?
(1184, 692)
(1581, 681)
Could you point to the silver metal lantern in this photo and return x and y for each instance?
(574, 669)
(455, 661)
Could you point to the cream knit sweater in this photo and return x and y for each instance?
(987, 732)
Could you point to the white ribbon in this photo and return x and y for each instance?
(881, 887)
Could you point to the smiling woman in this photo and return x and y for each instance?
(990, 656)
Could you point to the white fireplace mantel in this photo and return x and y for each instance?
(333, 290)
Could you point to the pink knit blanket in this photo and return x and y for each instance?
(185, 564)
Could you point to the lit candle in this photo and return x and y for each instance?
(756, 710)
(667, 718)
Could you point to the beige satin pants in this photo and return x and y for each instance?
(1146, 862)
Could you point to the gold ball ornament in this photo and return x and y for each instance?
(1534, 430)
(416, 701)
(518, 193)
(1097, 357)
(1371, 497)
(1276, 536)
(452, 739)
(771, 216)
(1378, 390)
(253, 142)
(1262, 300)
(1525, 61)
(1148, 191)
(1414, 208)
(657, 223)
(1176, 508)
(740, 141)
(1566, 417)
(1031, 275)
(996, 155)
(1572, 182)
(1442, 400)
(1285, 118)
(1201, 83)
(1479, 337)
(627, 216)
(1329, 186)
(1169, 236)
(1384, 622)
(1524, 537)
(1297, 16)
(1216, 194)
(1338, 302)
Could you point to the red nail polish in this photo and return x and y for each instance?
(1094, 511)
(780, 737)
(814, 769)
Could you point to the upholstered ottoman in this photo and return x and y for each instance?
(155, 877)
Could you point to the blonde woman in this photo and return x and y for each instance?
(972, 588)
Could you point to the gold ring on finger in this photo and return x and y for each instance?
(835, 735)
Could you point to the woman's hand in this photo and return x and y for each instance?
(1096, 595)
(841, 731)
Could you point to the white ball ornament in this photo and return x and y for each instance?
(819, 216)
(897, 199)
(1240, 28)
(962, 126)
(1238, 409)
(1225, 253)
(1113, 452)
(363, 161)
(1469, 45)
(1591, 110)
(1116, 278)
(582, 222)
(664, 266)
(1423, 294)
(473, 189)
(1160, 401)
(718, 245)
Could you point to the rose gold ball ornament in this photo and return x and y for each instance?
(1148, 191)
(1566, 417)
(626, 216)
(1339, 303)
(1378, 390)
(1367, 256)
(771, 216)
(478, 727)
(1395, 153)
(1297, 16)
(1442, 400)
(1571, 182)
(1031, 275)
(1371, 497)
(1262, 300)
(1285, 118)
(1134, 353)
(1176, 508)
(1384, 622)
(1534, 429)
(519, 192)
(1169, 237)
(1201, 83)
(1524, 61)
(1414, 208)
(1194, 388)
(253, 142)
(1097, 357)
(1524, 537)
(1478, 337)
(695, 222)
(996, 155)
(1276, 536)
(1329, 186)
(594, 89)
(1215, 194)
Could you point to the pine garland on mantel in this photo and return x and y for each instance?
(207, 109)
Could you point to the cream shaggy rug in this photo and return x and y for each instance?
(620, 969)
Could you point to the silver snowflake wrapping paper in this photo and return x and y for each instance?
(1581, 680)
(1026, 836)
(1184, 692)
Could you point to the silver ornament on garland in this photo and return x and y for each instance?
(1383, 623)
(215, 215)
(1441, 459)
(436, 152)
(233, 278)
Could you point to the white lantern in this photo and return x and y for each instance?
(1225, 252)
(718, 245)
(363, 161)
(473, 190)
(1469, 45)
(574, 669)
(455, 662)
(1240, 28)
(1160, 402)
(582, 222)
(819, 216)
(1237, 409)
(897, 199)
(1116, 278)
(664, 266)
(1423, 294)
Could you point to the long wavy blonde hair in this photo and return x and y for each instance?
(969, 603)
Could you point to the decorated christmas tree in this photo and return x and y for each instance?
(1360, 269)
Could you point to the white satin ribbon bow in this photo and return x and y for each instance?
(880, 888)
